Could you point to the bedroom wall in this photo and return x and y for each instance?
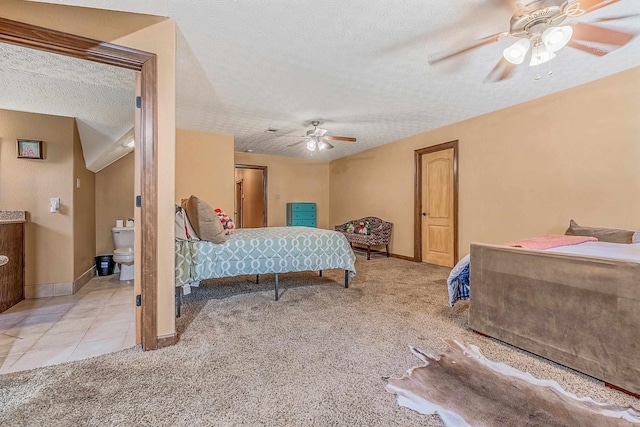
(204, 168)
(292, 180)
(160, 39)
(523, 171)
(115, 199)
(29, 184)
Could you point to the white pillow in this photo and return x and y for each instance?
(636, 237)
(184, 230)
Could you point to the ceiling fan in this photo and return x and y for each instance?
(540, 29)
(317, 138)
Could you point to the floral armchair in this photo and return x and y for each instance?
(380, 233)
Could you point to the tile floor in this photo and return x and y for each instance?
(96, 320)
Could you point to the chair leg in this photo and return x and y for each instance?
(368, 252)
(387, 250)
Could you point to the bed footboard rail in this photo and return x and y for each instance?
(580, 311)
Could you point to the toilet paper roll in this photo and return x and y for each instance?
(119, 223)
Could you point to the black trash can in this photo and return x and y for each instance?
(104, 265)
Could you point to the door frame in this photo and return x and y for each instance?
(34, 37)
(239, 202)
(265, 187)
(417, 203)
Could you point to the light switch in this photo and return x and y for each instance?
(77, 182)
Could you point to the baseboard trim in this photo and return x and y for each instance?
(84, 278)
(167, 340)
(404, 257)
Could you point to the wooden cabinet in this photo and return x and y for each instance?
(12, 258)
(301, 213)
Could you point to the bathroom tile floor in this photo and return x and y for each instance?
(96, 320)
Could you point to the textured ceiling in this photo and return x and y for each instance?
(100, 97)
(359, 66)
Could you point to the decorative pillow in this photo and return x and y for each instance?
(204, 220)
(636, 237)
(226, 221)
(611, 235)
(184, 230)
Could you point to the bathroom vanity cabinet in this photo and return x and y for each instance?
(12, 260)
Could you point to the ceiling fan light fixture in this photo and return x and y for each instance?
(555, 38)
(517, 51)
(311, 145)
(322, 145)
(541, 55)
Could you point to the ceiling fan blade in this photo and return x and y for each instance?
(500, 72)
(589, 49)
(592, 5)
(339, 138)
(296, 143)
(616, 18)
(511, 5)
(594, 33)
(445, 54)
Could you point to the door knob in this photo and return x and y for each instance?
(425, 213)
(3, 259)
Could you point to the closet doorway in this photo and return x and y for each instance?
(436, 204)
(251, 196)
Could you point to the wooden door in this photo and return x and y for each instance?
(438, 208)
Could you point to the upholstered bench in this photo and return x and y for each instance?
(380, 233)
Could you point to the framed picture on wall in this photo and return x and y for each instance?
(28, 149)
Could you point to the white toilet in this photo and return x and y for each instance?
(123, 255)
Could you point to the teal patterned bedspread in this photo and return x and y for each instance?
(264, 250)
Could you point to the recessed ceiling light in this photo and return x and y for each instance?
(271, 130)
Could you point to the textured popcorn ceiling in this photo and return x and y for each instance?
(100, 97)
(360, 66)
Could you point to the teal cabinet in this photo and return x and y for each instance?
(301, 213)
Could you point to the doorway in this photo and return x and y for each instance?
(239, 203)
(31, 36)
(436, 204)
(251, 196)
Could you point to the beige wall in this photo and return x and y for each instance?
(524, 171)
(115, 199)
(84, 208)
(204, 168)
(292, 180)
(28, 185)
(160, 39)
(253, 192)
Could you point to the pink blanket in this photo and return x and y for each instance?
(550, 241)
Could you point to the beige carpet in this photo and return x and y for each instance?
(316, 357)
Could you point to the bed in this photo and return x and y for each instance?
(578, 306)
(255, 251)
